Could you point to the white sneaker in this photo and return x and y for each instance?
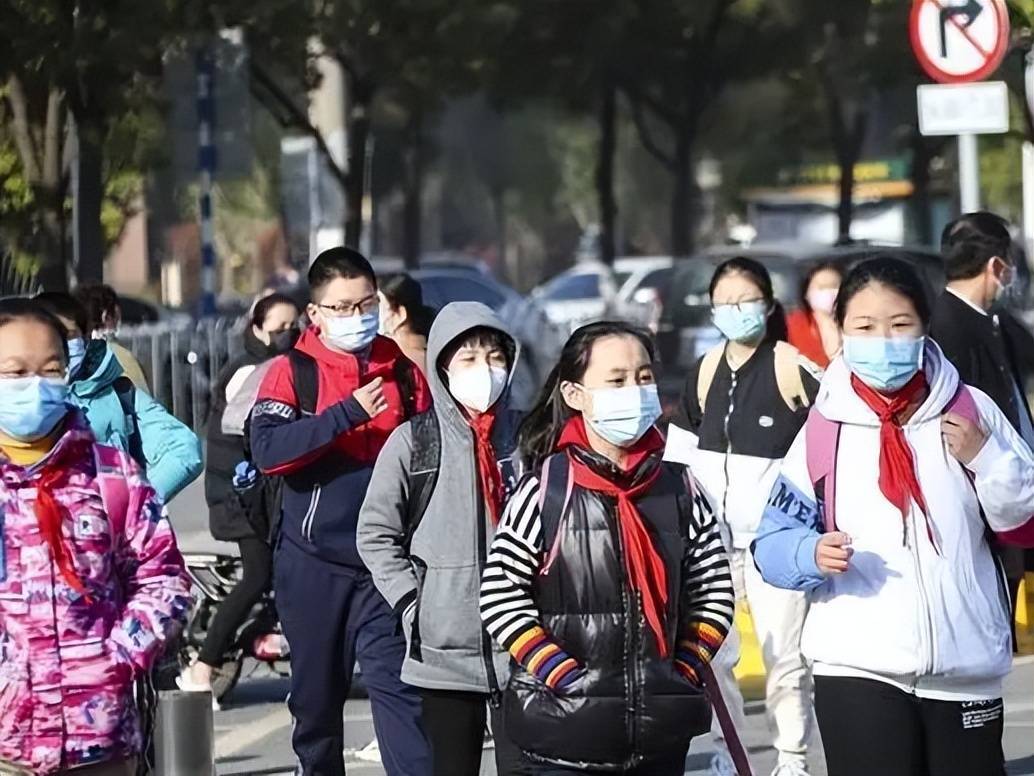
(722, 765)
(185, 681)
(791, 768)
(370, 753)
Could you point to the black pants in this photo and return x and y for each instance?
(257, 560)
(667, 764)
(870, 728)
(455, 725)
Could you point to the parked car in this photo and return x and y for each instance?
(685, 331)
(590, 291)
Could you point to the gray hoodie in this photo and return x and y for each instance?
(435, 586)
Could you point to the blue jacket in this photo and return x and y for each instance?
(172, 451)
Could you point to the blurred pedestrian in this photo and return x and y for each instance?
(104, 319)
(882, 512)
(425, 536)
(976, 333)
(91, 583)
(119, 413)
(745, 401)
(324, 412)
(812, 328)
(606, 581)
(404, 316)
(232, 517)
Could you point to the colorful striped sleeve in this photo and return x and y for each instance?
(508, 608)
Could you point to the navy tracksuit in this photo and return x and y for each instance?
(330, 610)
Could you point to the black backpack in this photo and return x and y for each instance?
(126, 393)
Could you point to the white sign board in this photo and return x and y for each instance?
(980, 108)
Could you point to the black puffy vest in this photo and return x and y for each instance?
(632, 704)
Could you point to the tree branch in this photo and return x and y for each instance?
(646, 137)
(21, 130)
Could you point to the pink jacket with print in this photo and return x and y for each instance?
(66, 661)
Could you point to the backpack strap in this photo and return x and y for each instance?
(111, 480)
(306, 379)
(126, 393)
(963, 404)
(708, 369)
(405, 379)
(822, 438)
(424, 461)
(788, 376)
(555, 487)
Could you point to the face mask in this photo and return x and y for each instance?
(823, 300)
(352, 333)
(478, 387)
(623, 415)
(283, 341)
(744, 322)
(883, 363)
(30, 407)
(76, 354)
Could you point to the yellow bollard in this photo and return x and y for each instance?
(1025, 615)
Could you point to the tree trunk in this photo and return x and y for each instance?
(847, 146)
(605, 169)
(360, 103)
(413, 177)
(682, 237)
(88, 197)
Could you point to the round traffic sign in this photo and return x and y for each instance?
(959, 40)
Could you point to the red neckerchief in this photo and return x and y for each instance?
(644, 568)
(898, 480)
(488, 469)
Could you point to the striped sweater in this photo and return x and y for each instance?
(511, 615)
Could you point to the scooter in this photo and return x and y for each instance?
(259, 637)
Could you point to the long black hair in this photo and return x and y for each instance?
(402, 291)
(775, 328)
(890, 271)
(542, 425)
(815, 269)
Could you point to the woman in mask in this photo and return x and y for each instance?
(404, 316)
(91, 583)
(812, 329)
(744, 403)
(119, 413)
(606, 582)
(425, 540)
(272, 331)
(882, 513)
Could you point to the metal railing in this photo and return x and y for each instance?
(182, 360)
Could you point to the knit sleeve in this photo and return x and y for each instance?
(508, 607)
(708, 598)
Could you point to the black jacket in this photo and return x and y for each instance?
(988, 351)
(225, 520)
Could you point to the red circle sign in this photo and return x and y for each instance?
(957, 41)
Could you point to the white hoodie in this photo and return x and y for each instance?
(933, 621)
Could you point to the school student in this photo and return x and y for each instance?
(607, 581)
(745, 401)
(883, 512)
(433, 504)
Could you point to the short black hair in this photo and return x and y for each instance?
(22, 309)
(267, 303)
(339, 263)
(890, 271)
(99, 300)
(971, 240)
(484, 336)
(62, 305)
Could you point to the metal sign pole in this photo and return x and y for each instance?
(969, 173)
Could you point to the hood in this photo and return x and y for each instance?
(255, 347)
(838, 401)
(454, 320)
(99, 370)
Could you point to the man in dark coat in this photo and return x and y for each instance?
(987, 345)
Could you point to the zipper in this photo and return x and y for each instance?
(924, 602)
(486, 642)
(728, 452)
(631, 694)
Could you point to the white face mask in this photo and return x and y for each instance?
(478, 387)
(823, 300)
(351, 333)
(623, 415)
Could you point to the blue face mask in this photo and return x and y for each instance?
(76, 354)
(351, 333)
(623, 415)
(744, 322)
(883, 363)
(30, 407)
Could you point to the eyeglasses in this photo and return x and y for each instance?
(346, 309)
(738, 305)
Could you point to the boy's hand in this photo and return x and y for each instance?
(371, 397)
(833, 552)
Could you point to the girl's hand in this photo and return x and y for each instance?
(963, 437)
(833, 552)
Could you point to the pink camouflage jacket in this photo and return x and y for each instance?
(67, 661)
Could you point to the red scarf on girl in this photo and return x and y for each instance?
(488, 468)
(898, 480)
(644, 568)
(50, 516)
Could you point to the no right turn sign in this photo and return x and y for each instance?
(959, 40)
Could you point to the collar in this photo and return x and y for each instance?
(965, 301)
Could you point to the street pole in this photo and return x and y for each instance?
(969, 173)
(206, 168)
(1028, 165)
